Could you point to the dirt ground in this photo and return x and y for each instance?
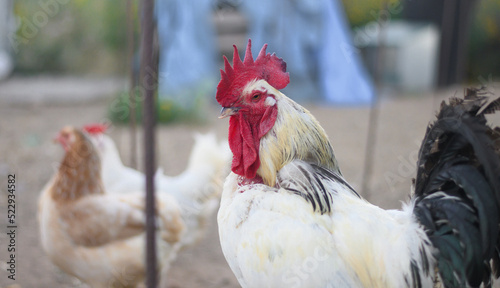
(26, 150)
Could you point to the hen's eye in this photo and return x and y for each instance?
(255, 97)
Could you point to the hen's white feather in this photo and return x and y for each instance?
(196, 189)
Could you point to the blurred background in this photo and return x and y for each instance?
(74, 62)
(422, 45)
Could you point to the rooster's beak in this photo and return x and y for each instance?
(228, 111)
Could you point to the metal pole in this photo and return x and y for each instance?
(132, 82)
(148, 84)
(447, 24)
(371, 138)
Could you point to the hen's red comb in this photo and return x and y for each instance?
(94, 129)
(233, 79)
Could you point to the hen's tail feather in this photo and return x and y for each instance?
(458, 190)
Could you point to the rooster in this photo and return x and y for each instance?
(96, 236)
(196, 190)
(288, 218)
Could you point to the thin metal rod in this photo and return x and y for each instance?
(449, 11)
(132, 83)
(371, 138)
(148, 83)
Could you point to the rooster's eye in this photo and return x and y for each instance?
(255, 97)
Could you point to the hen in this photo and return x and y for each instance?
(96, 236)
(196, 189)
(288, 218)
(116, 177)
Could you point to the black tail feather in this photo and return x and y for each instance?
(458, 190)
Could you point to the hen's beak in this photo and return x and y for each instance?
(57, 139)
(60, 139)
(228, 111)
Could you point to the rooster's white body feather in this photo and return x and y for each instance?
(274, 239)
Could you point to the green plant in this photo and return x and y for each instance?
(82, 37)
(484, 43)
(167, 111)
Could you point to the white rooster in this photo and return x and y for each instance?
(288, 218)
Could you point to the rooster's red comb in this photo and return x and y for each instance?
(233, 79)
(94, 129)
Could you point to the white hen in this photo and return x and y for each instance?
(196, 189)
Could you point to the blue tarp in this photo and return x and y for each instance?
(312, 36)
(187, 48)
